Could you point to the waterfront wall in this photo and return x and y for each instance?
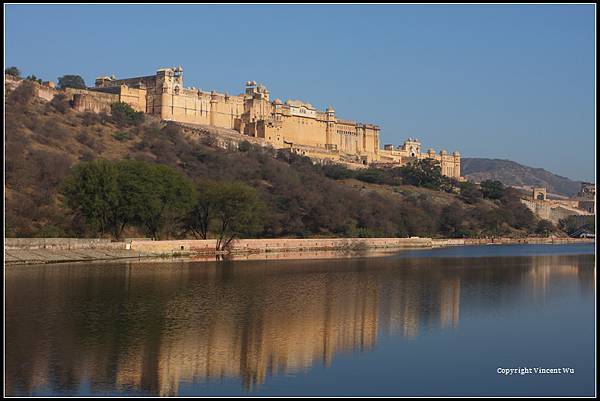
(62, 243)
(499, 241)
(278, 245)
(267, 245)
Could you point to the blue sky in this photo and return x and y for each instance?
(510, 82)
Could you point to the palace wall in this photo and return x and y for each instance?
(294, 125)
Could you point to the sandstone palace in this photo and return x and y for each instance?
(292, 124)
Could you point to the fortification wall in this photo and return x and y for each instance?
(551, 211)
(295, 125)
(46, 92)
(135, 97)
(96, 102)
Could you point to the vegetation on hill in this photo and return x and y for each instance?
(515, 174)
(14, 71)
(71, 81)
(573, 224)
(86, 174)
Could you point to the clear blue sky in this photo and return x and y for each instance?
(510, 82)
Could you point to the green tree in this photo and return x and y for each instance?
(34, 79)
(92, 192)
(199, 218)
(372, 175)
(492, 189)
(237, 210)
(176, 196)
(158, 197)
(337, 171)
(111, 195)
(123, 114)
(71, 81)
(422, 173)
(469, 192)
(14, 71)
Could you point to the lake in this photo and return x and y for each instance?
(446, 322)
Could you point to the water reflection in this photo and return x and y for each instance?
(148, 328)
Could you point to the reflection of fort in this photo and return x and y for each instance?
(286, 328)
(544, 272)
(152, 328)
(450, 302)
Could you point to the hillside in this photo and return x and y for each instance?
(44, 140)
(515, 174)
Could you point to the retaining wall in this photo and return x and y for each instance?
(485, 241)
(62, 243)
(273, 245)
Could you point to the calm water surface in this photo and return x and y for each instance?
(430, 322)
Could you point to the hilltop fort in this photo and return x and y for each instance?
(292, 124)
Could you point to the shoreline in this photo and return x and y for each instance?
(32, 251)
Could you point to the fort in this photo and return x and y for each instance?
(293, 124)
(582, 204)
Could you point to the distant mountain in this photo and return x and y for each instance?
(515, 174)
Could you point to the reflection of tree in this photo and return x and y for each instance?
(147, 328)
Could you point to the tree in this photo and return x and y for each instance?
(123, 114)
(372, 175)
(14, 71)
(199, 218)
(92, 191)
(244, 146)
(176, 196)
(469, 192)
(492, 189)
(337, 171)
(451, 220)
(111, 195)
(519, 215)
(572, 224)
(422, 173)
(545, 227)
(71, 81)
(237, 211)
(156, 197)
(450, 184)
(495, 221)
(34, 79)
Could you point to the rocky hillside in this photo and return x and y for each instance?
(515, 174)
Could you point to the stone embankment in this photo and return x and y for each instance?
(55, 250)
